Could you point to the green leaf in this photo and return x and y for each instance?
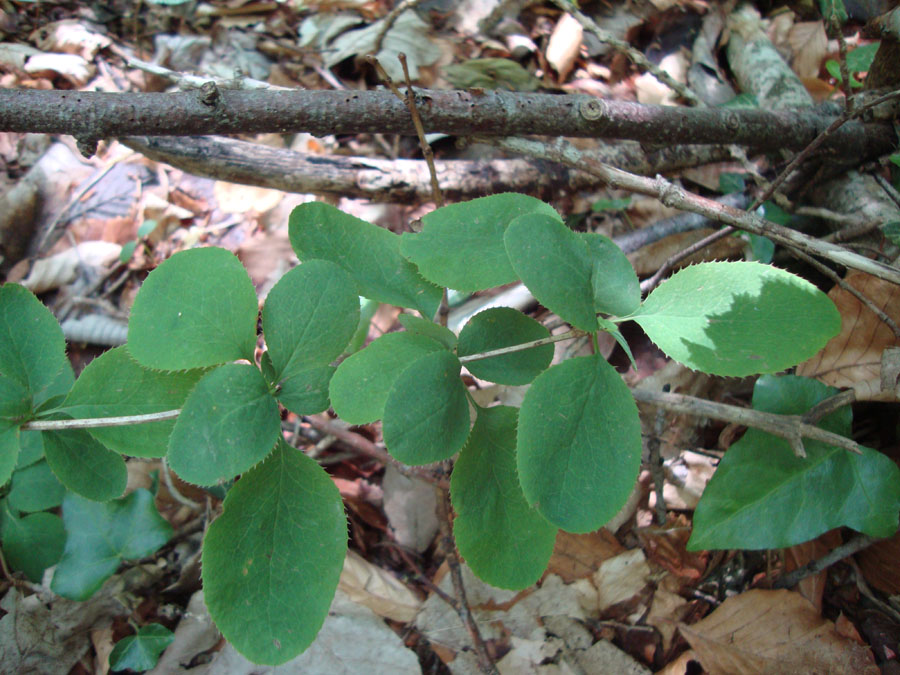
(9, 450)
(101, 536)
(306, 392)
(196, 309)
(85, 466)
(833, 8)
(892, 231)
(272, 560)
(426, 417)
(359, 388)
(32, 346)
(435, 331)
(579, 444)
(33, 543)
(115, 385)
(729, 183)
(611, 204)
(763, 496)
(491, 73)
(15, 402)
(461, 245)
(370, 254)
(32, 444)
(613, 329)
(503, 327)
(146, 228)
(771, 211)
(861, 58)
(738, 318)
(309, 317)
(763, 248)
(228, 423)
(141, 651)
(367, 309)
(505, 541)
(616, 287)
(555, 265)
(127, 251)
(35, 488)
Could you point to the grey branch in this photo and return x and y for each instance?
(96, 115)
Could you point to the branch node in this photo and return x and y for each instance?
(592, 109)
(210, 96)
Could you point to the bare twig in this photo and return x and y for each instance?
(95, 422)
(568, 335)
(857, 543)
(792, 428)
(827, 406)
(389, 19)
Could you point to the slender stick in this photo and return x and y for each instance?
(95, 422)
(857, 543)
(569, 335)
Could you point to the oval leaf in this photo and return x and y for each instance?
(35, 488)
(85, 466)
(435, 331)
(738, 318)
(228, 423)
(369, 254)
(555, 265)
(360, 387)
(579, 444)
(763, 496)
(461, 245)
(32, 347)
(503, 327)
(101, 536)
(115, 385)
(306, 391)
(616, 287)
(141, 651)
(272, 560)
(196, 309)
(309, 317)
(505, 541)
(426, 417)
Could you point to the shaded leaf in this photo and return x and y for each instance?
(115, 385)
(306, 391)
(309, 317)
(461, 245)
(141, 651)
(579, 444)
(359, 388)
(85, 466)
(504, 327)
(763, 496)
(426, 417)
(101, 536)
(505, 541)
(616, 287)
(738, 318)
(32, 346)
(555, 265)
(435, 331)
(369, 254)
(272, 560)
(33, 543)
(35, 488)
(229, 423)
(196, 309)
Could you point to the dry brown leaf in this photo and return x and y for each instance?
(650, 258)
(853, 357)
(879, 565)
(564, 45)
(621, 578)
(371, 586)
(666, 611)
(809, 44)
(812, 587)
(774, 632)
(576, 556)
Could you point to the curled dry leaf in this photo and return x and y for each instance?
(378, 590)
(773, 632)
(61, 269)
(853, 357)
(564, 45)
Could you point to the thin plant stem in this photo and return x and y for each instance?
(96, 422)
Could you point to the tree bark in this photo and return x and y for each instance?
(91, 116)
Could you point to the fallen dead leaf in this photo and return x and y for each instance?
(576, 556)
(879, 565)
(70, 36)
(773, 632)
(809, 44)
(369, 585)
(564, 45)
(853, 357)
(812, 587)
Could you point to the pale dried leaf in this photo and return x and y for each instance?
(71, 66)
(853, 357)
(410, 509)
(369, 585)
(13, 56)
(666, 611)
(576, 556)
(564, 45)
(71, 36)
(809, 44)
(621, 578)
(195, 634)
(96, 329)
(773, 632)
(61, 269)
(652, 91)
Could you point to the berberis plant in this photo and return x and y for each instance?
(567, 459)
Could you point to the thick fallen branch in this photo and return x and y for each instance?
(400, 180)
(91, 116)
